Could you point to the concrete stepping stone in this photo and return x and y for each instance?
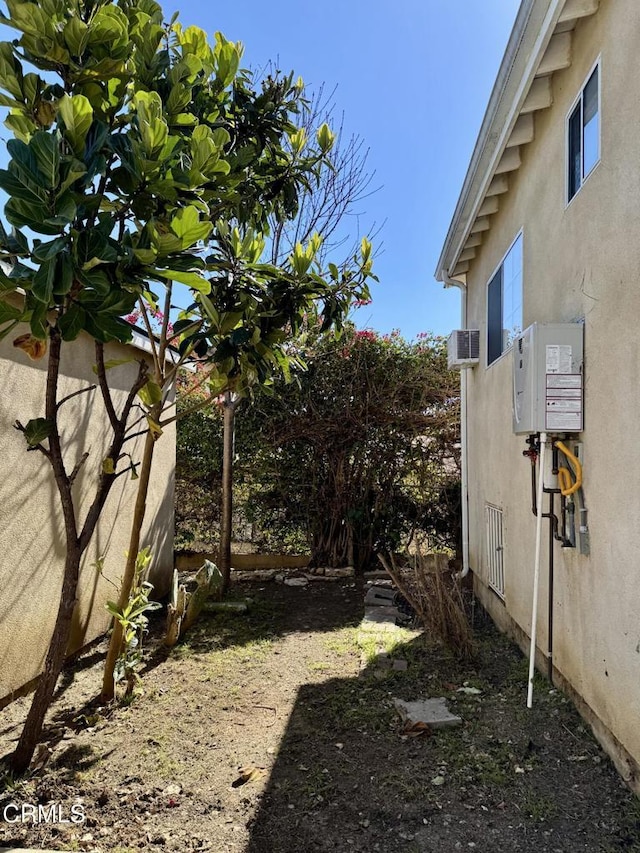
(433, 712)
(379, 596)
(378, 614)
(383, 661)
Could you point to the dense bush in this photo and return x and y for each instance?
(358, 453)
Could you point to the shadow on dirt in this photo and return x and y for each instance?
(346, 777)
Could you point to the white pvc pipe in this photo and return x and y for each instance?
(464, 485)
(536, 571)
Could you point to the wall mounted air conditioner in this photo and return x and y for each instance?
(463, 348)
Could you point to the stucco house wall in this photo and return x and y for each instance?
(31, 527)
(580, 263)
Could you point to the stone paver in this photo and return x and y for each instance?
(433, 712)
(380, 614)
(379, 596)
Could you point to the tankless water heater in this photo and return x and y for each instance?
(548, 379)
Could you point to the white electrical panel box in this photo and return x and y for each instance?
(547, 378)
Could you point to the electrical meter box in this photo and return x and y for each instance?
(547, 378)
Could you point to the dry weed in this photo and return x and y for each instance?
(434, 592)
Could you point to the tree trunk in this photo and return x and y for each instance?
(226, 510)
(115, 644)
(32, 730)
(62, 629)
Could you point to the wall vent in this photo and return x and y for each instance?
(463, 348)
(495, 549)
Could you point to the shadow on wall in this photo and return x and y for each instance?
(160, 537)
(32, 539)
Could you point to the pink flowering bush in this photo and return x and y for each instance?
(154, 317)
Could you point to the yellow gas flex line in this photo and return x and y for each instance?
(564, 475)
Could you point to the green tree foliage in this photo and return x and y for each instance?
(142, 156)
(358, 454)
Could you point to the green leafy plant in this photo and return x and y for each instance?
(142, 156)
(134, 621)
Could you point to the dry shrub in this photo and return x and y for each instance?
(434, 591)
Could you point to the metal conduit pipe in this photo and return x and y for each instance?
(536, 573)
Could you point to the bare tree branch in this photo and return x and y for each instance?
(104, 386)
(78, 466)
(333, 207)
(76, 394)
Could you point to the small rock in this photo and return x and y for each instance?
(437, 780)
(252, 575)
(228, 606)
(296, 582)
(347, 572)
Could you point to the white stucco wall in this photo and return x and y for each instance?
(31, 528)
(581, 261)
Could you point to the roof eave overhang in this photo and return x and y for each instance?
(532, 31)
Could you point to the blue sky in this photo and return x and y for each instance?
(413, 80)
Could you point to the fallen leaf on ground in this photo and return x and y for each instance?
(249, 774)
(417, 729)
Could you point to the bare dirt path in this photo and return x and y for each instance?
(278, 693)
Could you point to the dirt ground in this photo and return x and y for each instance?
(279, 691)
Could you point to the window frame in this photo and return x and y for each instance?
(519, 235)
(579, 100)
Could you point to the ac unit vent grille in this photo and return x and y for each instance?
(463, 348)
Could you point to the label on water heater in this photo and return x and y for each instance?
(558, 358)
(563, 398)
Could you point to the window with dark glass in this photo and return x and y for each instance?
(583, 134)
(504, 303)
